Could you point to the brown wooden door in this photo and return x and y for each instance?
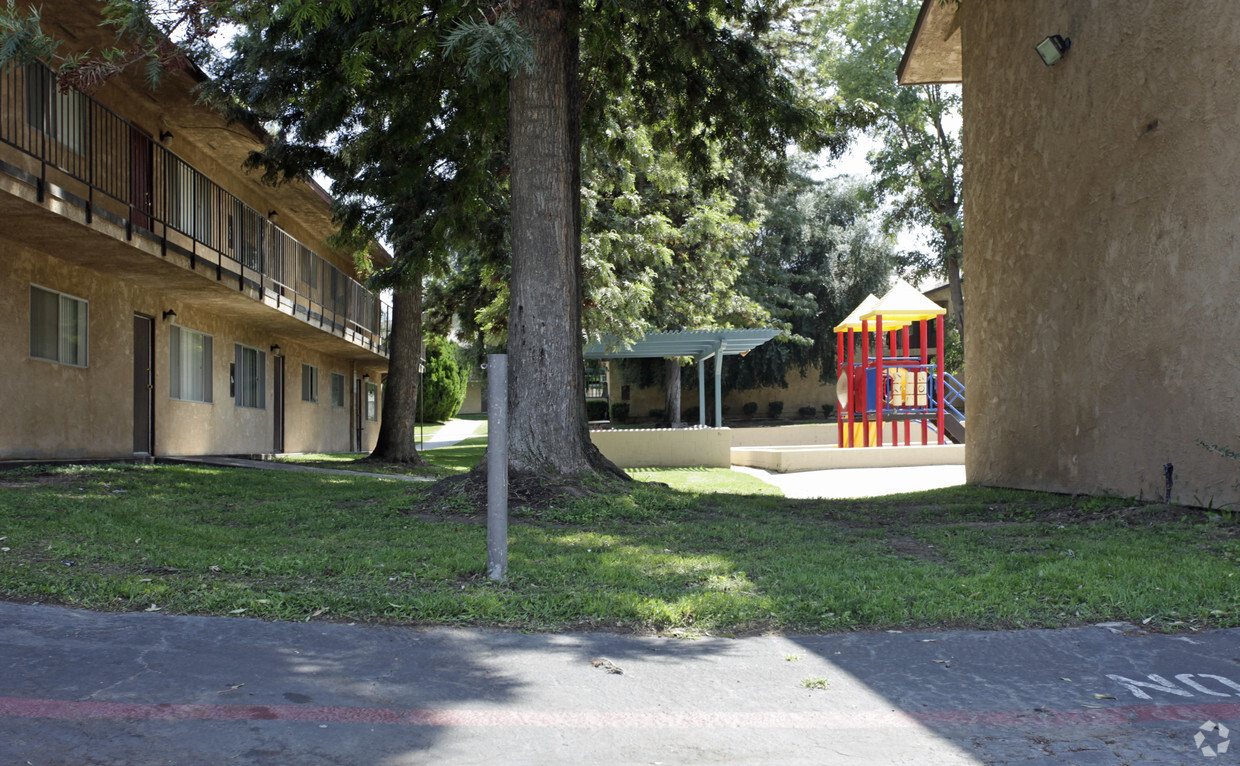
(141, 178)
(143, 385)
(277, 364)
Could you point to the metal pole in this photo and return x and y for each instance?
(839, 366)
(865, 384)
(938, 376)
(497, 466)
(880, 381)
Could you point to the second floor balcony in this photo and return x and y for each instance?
(73, 148)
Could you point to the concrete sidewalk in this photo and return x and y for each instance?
(860, 482)
(80, 687)
(452, 432)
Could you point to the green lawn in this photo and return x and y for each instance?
(715, 551)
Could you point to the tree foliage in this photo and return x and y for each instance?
(444, 381)
(917, 162)
(815, 257)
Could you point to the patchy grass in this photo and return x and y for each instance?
(218, 541)
(706, 480)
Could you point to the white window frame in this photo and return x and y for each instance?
(249, 377)
(181, 365)
(338, 390)
(65, 340)
(310, 374)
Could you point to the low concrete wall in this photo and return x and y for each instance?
(789, 459)
(774, 436)
(666, 448)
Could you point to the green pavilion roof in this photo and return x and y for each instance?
(699, 344)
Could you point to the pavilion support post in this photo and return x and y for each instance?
(718, 387)
(702, 392)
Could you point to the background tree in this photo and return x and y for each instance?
(816, 255)
(444, 382)
(335, 92)
(917, 162)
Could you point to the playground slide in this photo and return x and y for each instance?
(954, 428)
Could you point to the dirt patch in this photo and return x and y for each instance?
(24, 480)
(466, 494)
(903, 545)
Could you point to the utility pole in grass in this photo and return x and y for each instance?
(497, 466)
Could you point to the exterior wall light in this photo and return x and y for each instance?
(169, 314)
(1052, 49)
(272, 216)
(165, 136)
(275, 350)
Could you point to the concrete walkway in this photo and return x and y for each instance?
(108, 689)
(860, 482)
(453, 432)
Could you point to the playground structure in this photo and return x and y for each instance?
(888, 383)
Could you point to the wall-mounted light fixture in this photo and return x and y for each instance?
(169, 314)
(165, 136)
(272, 216)
(1052, 49)
(275, 349)
(365, 377)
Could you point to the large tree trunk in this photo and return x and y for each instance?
(547, 427)
(400, 396)
(671, 400)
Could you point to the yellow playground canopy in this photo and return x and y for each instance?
(853, 320)
(901, 306)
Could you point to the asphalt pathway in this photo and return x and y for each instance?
(86, 688)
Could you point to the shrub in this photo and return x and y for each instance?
(750, 409)
(596, 409)
(827, 409)
(656, 414)
(775, 409)
(443, 383)
(620, 412)
(807, 412)
(691, 415)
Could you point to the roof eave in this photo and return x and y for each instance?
(933, 54)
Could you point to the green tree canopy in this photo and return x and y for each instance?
(917, 162)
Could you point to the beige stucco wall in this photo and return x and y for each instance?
(1103, 334)
(772, 436)
(666, 448)
(473, 399)
(58, 411)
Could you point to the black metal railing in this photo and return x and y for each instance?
(129, 177)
